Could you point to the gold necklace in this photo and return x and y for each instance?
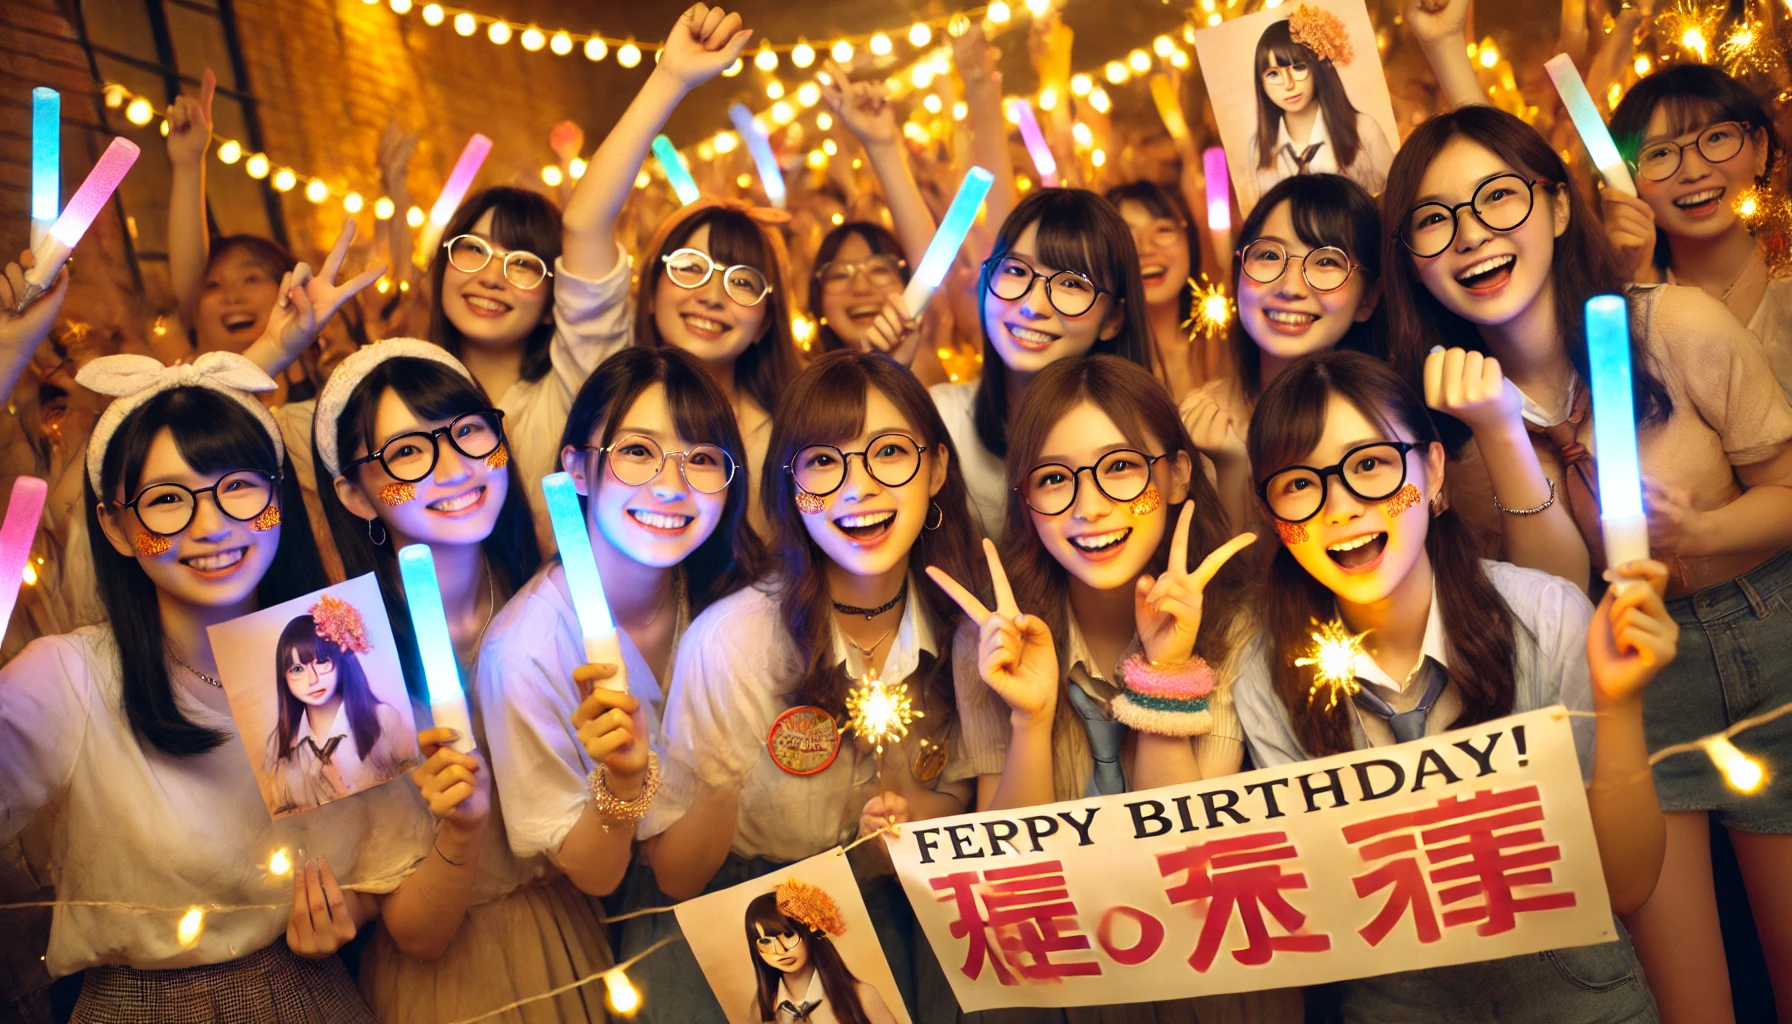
(213, 680)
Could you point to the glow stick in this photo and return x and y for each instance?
(46, 160)
(423, 595)
(677, 176)
(946, 241)
(23, 511)
(1621, 516)
(53, 251)
(472, 155)
(1169, 107)
(770, 177)
(1035, 140)
(1219, 198)
(602, 646)
(1593, 132)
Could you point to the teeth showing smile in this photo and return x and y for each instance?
(1486, 267)
(703, 323)
(216, 561)
(239, 321)
(1289, 317)
(1155, 270)
(864, 519)
(1354, 543)
(484, 304)
(1029, 337)
(659, 520)
(1699, 198)
(459, 502)
(1101, 541)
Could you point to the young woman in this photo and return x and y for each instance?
(652, 445)
(122, 730)
(1306, 123)
(1062, 281)
(1452, 641)
(1307, 278)
(757, 773)
(1698, 141)
(1169, 259)
(796, 965)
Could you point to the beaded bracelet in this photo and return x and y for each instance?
(1165, 701)
(1547, 502)
(617, 810)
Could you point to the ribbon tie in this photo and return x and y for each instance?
(798, 1013)
(1582, 490)
(1303, 158)
(134, 380)
(327, 752)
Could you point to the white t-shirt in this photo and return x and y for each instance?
(984, 475)
(1772, 323)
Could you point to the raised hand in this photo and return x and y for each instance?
(1470, 387)
(1210, 427)
(321, 922)
(1630, 227)
(456, 786)
(1434, 21)
(894, 333)
(1015, 655)
(975, 58)
(863, 107)
(567, 140)
(307, 302)
(702, 45)
(1632, 636)
(397, 145)
(190, 123)
(1167, 609)
(882, 811)
(611, 727)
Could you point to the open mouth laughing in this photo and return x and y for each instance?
(1359, 553)
(1153, 274)
(240, 323)
(485, 305)
(1101, 546)
(1485, 277)
(705, 328)
(1700, 204)
(1290, 321)
(866, 527)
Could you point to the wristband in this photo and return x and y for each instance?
(1165, 701)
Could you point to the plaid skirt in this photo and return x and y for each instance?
(270, 986)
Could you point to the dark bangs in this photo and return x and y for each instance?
(430, 390)
(878, 239)
(213, 433)
(521, 220)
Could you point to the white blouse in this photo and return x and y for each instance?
(303, 779)
(1370, 168)
(984, 475)
(128, 824)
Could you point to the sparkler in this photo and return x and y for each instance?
(1333, 658)
(879, 713)
(1211, 312)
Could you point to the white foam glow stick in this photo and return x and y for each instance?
(77, 217)
(602, 645)
(1593, 132)
(1043, 161)
(931, 271)
(1621, 516)
(23, 511)
(46, 160)
(677, 175)
(472, 156)
(423, 595)
(770, 177)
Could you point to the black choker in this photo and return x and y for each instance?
(872, 613)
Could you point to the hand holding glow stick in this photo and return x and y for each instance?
(23, 511)
(931, 271)
(77, 217)
(472, 156)
(1169, 107)
(1592, 129)
(423, 595)
(677, 175)
(770, 177)
(46, 160)
(1043, 161)
(602, 646)
(1621, 516)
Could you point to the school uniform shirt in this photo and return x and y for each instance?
(736, 669)
(319, 769)
(126, 823)
(1549, 666)
(984, 474)
(1370, 168)
(525, 683)
(814, 1008)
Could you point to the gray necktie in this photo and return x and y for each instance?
(1105, 739)
(1406, 725)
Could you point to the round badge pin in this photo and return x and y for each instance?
(804, 740)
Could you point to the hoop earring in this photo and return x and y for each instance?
(381, 539)
(938, 517)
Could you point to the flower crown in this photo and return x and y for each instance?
(338, 622)
(1322, 32)
(810, 904)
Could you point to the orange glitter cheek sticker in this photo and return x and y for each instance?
(810, 504)
(1147, 503)
(149, 545)
(1291, 533)
(1402, 500)
(269, 518)
(398, 494)
(499, 458)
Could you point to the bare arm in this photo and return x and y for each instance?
(1026, 779)
(189, 240)
(866, 111)
(611, 727)
(426, 910)
(975, 60)
(397, 144)
(1442, 37)
(22, 333)
(687, 855)
(1759, 520)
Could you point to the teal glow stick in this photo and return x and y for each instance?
(423, 595)
(46, 160)
(770, 177)
(677, 176)
(602, 646)
(1621, 516)
(931, 271)
(1593, 132)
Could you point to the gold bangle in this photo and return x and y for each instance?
(620, 811)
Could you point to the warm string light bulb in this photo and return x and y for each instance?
(384, 208)
(1742, 772)
(621, 994)
(561, 44)
(551, 176)
(920, 35)
(353, 202)
(280, 863)
(1332, 656)
(256, 166)
(192, 925)
(465, 24)
(230, 151)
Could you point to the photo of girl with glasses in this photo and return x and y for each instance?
(1307, 277)
(124, 730)
(1062, 281)
(1698, 142)
(799, 972)
(757, 771)
(650, 443)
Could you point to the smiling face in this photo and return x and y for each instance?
(1489, 277)
(659, 522)
(456, 504)
(850, 311)
(1163, 252)
(1101, 541)
(312, 682)
(232, 307)
(484, 306)
(216, 562)
(1362, 551)
(784, 953)
(1029, 333)
(706, 321)
(866, 526)
(1288, 318)
(1288, 86)
(1696, 200)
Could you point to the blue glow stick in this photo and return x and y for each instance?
(1621, 516)
(1593, 132)
(602, 646)
(683, 185)
(46, 160)
(770, 177)
(953, 228)
(423, 595)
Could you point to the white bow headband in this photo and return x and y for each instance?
(134, 380)
(349, 375)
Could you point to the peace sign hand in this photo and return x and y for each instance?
(1015, 654)
(1168, 608)
(306, 303)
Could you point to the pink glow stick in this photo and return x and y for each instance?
(1036, 147)
(87, 202)
(459, 181)
(1219, 201)
(23, 511)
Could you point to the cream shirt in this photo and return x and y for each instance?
(1772, 323)
(984, 475)
(301, 781)
(1370, 168)
(126, 823)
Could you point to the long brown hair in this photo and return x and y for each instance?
(838, 983)
(825, 404)
(521, 221)
(1138, 404)
(1288, 423)
(1277, 45)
